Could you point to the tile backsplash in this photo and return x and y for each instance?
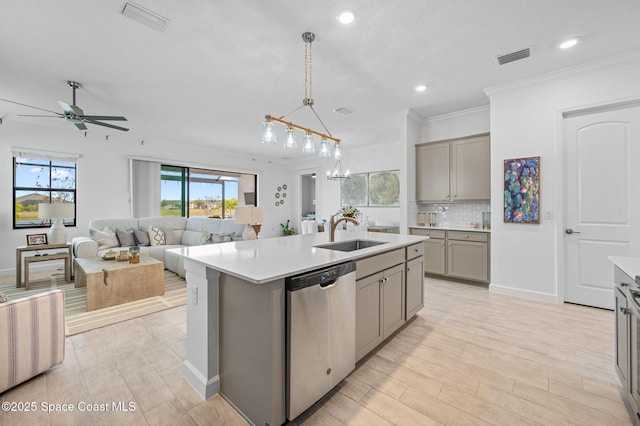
(457, 215)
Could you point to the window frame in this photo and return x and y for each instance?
(49, 189)
(185, 179)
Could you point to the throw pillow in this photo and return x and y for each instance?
(105, 238)
(3, 298)
(205, 238)
(221, 238)
(170, 237)
(126, 238)
(142, 237)
(156, 236)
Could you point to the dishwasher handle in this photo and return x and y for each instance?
(324, 278)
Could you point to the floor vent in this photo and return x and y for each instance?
(514, 56)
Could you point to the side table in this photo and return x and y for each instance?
(66, 256)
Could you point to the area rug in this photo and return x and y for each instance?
(78, 320)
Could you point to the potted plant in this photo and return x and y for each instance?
(349, 211)
(286, 230)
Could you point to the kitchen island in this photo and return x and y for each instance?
(236, 311)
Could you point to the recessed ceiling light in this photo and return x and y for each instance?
(346, 16)
(421, 88)
(569, 43)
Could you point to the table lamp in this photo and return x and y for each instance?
(57, 212)
(251, 216)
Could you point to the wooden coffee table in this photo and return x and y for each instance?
(110, 282)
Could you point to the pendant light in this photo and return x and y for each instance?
(308, 145)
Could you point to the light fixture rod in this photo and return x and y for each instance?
(288, 123)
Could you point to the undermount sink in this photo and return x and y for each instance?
(351, 245)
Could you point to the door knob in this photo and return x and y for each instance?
(570, 231)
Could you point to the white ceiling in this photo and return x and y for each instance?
(221, 65)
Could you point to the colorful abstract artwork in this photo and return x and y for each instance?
(522, 190)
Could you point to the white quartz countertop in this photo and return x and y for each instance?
(264, 260)
(629, 265)
(451, 228)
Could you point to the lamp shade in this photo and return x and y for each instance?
(56, 210)
(249, 215)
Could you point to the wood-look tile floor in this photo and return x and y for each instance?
(470, 357)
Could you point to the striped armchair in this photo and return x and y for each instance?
(31, 336)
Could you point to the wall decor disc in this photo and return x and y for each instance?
(284, 195)
(277, 195)
(279, 188)
(281, 201)
(284, 186)
(277, 203)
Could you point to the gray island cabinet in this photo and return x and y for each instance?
(236, 309)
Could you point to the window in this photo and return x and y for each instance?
(38, 181)
(201, 192)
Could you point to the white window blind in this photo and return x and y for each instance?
(145, 188)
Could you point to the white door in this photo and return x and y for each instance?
(602, 201)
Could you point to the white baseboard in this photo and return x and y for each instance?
(526, 294)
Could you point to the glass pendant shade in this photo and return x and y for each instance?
(268, 135)
(308, 147)
(337, 152)
(325, 151)
(290, 139)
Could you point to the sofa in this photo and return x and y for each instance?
(154, 235)
(32, 335)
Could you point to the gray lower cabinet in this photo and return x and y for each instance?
(414, 277)
(380, 307)
(456, 254)
(467, 256)
(622, 338)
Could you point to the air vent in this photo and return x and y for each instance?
(144, 16)
(514, 56)
(343, 111)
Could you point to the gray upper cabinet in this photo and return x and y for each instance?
(432, 172)
(455, 170)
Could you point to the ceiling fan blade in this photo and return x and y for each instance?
(30, 106)
(71, 109)
(104, 117)
(80, 125)
(106, 125)
(47, 116)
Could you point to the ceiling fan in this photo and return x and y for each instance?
(74, 114)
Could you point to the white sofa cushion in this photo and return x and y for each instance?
(176, 223)
(193, 234)
(106, 237)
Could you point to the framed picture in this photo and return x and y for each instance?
(36, 239)
(355, 191)
(522, 190)
(384, 189)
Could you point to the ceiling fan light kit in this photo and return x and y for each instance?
(308, 147)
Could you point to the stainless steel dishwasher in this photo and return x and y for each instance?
(321, 329)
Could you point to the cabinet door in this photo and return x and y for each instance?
(468, 260)
(392, 300)
(368, 318)
(432, 172)
(415, 287)
(622, 338)
(470, 169)
(434, 257)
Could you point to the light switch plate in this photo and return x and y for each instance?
(548, 214)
